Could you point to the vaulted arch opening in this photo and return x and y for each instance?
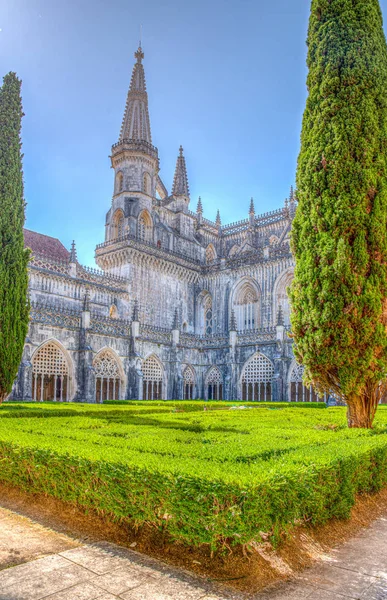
(246, 305)
(204, 314)
(108, 376)
(256, 379)
(119, 182)
(144, 226)
(51, 373)
(210, 254)
(214, 384)
(188, 383)
(118, 225)
(147, 184)
(153, 372)
(298, 391)
(280, 294)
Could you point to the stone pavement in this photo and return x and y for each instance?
(56, 567)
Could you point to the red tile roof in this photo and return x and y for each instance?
(44, 244)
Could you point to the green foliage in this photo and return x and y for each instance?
(339, 236)
(205, 477)
(14, 309)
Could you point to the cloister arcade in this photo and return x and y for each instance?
(214, 384)
(51, 370)
(152, 384)
(256, 379)
(108, 376)
(188, 383)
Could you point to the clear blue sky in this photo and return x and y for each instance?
(226, 79)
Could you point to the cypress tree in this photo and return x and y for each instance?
(339, 237)
(14, 306)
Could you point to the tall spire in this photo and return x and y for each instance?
(252, 207)
(180, 180)
(199, 208)
(73, 253)
(218, 221)
(136, 123)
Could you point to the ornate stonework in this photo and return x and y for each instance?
(182, 307)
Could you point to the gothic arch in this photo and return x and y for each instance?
(144, 226)
(118, 224)
(119, 185)
(280, 296)
(213, 386)
(256, 378)
(297, 390)
(52, 372)
(109, 375)
(245, 300)
(147, 184)
(204, 313)
(189, 383)
(210, 254)
(153, 382)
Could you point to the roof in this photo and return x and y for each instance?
(44, 244)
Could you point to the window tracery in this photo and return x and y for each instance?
(298, 391)
(210, 254)
(208, 315)
(119, 182)
(189, 382)
(50, 374)
(257, 379)
(152, 379)
(246, 308)
(214, 384)
(144, 226)
(107, 377)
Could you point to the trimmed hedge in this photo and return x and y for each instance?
(203, 477)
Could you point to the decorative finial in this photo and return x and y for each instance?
(180, 180)
(218, 221)
(175, 324)
(181, 150)
(252, 207)
(233, 323)
(86, 302)
(135, 311)
(139, 55)
(291, 195)
(199, 208)
(280, 317)
(73, 253)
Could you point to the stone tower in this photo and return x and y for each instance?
(134, 159)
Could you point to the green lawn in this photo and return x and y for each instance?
(205, 476)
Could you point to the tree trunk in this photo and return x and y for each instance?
(361, 409)
(3, 396)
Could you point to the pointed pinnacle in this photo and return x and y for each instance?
(218, 221)
(252, 207)
(280, 317)
(180, 180)
(199, 208)
(86, 301)
(233, 323)
(135, 311)
(73, 253)
(175, 324)
(291, 195)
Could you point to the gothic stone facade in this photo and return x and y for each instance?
(182, 307)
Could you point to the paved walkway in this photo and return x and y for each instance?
(56, 567)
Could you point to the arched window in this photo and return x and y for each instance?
(214, 384)
(210, 254)
(50, 374)
(118, 225)
(152, 379)
(113, 312)
(257, 378)
(119, 182)
(246, 307)
(298, 391)
(147, 184)
(144, 226)
(189, 383)
(108, 380)
(207, 306)
(281, 296)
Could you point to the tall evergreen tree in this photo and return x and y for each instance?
(14, 306)
(339, 239)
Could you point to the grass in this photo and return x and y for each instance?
(216, 477)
